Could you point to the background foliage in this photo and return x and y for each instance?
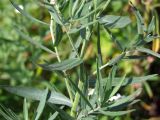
(17, 54)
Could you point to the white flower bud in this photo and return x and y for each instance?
(116, 97)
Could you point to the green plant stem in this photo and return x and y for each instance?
(59, 60)
(71, 42)
(69, 37)
(69, 90)
(83, 48)
(76, 100)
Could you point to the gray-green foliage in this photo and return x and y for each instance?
(82, 18)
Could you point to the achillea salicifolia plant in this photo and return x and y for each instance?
(84, 102)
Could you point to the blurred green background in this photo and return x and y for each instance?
(17, 55)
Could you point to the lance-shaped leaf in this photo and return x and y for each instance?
(37, 94)
(116, 88)
(53, 117)
(62, 113)
(123, 100)
(132, 80)
(54, 13)
(140, 21)
(55, 16)
(64, 65)
(41, 104)
(114, 113)
(26, 14)
(133, 57)
(112, 21)
(108, 84)
(127, 80)
(113, 61)
(75, 7)
(151, 26)
(148, 51)
(58, 34)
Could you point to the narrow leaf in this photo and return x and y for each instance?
(151, 26)
(113, 61)
(99, 44)
(62, 113)
(54, 12)
(55, 16)
(116, 88)
(148, 51)
(26, 14)
(53, 117)
(132, 80)
(112, 21)
(140, 21)
(58, 34)
(41, 104)
(108, 83)
(36, 94)
(127, 81)
(64, 65)
(125, 99)
(81, 94)
(115, 113)
(74, 7)
(135, 57)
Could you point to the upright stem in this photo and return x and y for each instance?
(71, 42)
(76, 100)
(59, 60)
(83, 48)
